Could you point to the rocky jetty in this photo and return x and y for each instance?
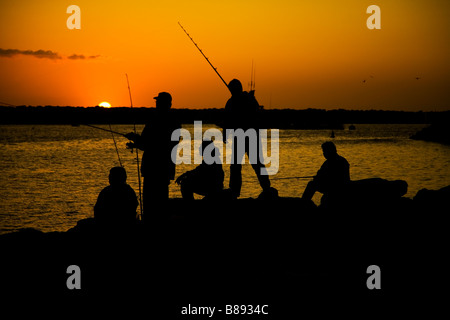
(282, 252)
(438, 132)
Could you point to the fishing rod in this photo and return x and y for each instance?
(112, 134)
(252, 83)
(137, 152)
(7, 104)
(89, 125)
(115, 145)
(215, 69)
(304, 177)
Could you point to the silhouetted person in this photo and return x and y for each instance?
(332, 177)
(157, 166)
(206, 179)
(117, 203)
(241, 113)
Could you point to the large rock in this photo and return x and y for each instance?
(277, 252)
(437, 132)
(368, 195)
(433, 200)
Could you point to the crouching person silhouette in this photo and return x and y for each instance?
(117, 203)
(207, 178)
(331, 179)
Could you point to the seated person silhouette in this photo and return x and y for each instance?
(117, 203)
(207, 178)
(332, 177)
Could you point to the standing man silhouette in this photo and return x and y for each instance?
(157, 166)
(241, 113)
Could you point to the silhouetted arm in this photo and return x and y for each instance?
(138, 140)
(227, 120)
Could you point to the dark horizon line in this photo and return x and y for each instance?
(267, 118)
(219, 108)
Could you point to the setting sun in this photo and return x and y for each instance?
(104, 104)
(299, 48)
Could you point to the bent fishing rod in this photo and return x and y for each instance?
(115, 145)
(112, 134)
(195, 44)
(123, 135)
(103, 129)
(137, 153)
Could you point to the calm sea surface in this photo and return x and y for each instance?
(51, 175)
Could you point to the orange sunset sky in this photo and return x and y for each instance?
(307, 54)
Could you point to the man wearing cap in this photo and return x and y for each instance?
(157, 167)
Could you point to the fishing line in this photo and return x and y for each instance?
(91, 126)
(115, 145)
(305, 177)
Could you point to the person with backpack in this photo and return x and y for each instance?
(241, 112)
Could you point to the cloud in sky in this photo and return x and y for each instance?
(48, 54)
(81, 57)
(42, 54)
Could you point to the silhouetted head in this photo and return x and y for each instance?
(235, 87)
(117, 175)
(329, 150)
(163, 101)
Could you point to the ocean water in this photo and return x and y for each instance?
(51, 174)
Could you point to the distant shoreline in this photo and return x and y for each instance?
(268, 118)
